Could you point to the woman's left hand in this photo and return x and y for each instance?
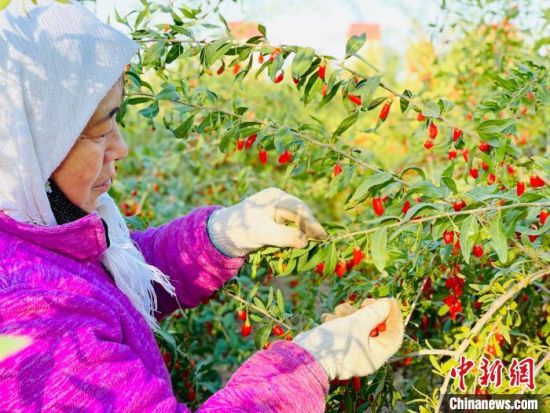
(259, 220)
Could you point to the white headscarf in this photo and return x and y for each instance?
(57, 62)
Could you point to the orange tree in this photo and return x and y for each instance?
(436, 194)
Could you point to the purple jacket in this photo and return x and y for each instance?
(92, 351)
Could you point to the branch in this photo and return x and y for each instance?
(444, 215)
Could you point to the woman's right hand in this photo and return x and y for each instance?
(345, 347)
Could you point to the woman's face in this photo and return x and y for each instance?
(88, 169)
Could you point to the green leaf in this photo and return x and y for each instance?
(367, 89)
(261, 29)
(262, 335)
(498, 239)
(404, 103)
(431, 110)
(355, 43)
(280, 302)
(449, 183)
(363, 190)
(153, 53)
(496, 125)
(330, 94)
(168, 339)
(150, 111)
(379, 252)
(330, 262)
(182, 131)
(139, 99)
(416, 208)
(468, 233)
(168, 93)
(346, 124)
(302, 61)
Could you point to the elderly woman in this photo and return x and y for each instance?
(85, 292)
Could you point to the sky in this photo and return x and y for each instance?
(321, 24)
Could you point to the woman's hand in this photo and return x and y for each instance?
(345, 346)
(259, 220)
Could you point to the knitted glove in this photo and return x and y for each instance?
(259, 220)
(344, 346)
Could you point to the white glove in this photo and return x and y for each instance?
(345, 347)
(259, 220)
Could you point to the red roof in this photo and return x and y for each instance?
(372, 30)
(244, 30)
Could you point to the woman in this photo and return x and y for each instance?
(84, 291)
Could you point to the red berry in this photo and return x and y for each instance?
(278, 331)
(240, 144)
(452, 154)
(337, 169)
(484, 146)
(478, 251)
(279, 77)
(428, 144)
(378, 206)
(340, 269)
(458, 205)
(236, 68)
(536, 181)
(385, 111)
(381, 327)
(319, 268)
(510, 170)
(533, 237)
(274, 53)
(358, 256)
(356, 383)
(420, 117)
(491, 178)
(543, 215)
(355, 99)
(374, 332)
(322, 71)
(491, 350)
(406, 206)
(267, 345)
(520, 188)
(260, 58)
(448, 237)
(324, 90)
(262, 155)
(457, 133)
(530, 95)
(465, 153)
(433, 130)
(246, 328)
(241, 314)
(285, 157)
(474, 173)
(484, 166)
(220, 70)
(250, 140)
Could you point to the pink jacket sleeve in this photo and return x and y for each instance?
(182, 249)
